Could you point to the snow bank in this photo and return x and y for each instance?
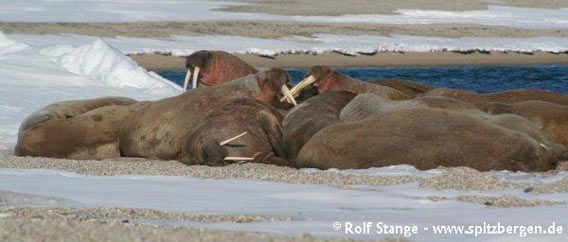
(31, 79)
(102, 63)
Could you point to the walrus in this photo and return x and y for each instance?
(327, 79)
(82, 129)
(160, 128)
(309, 117)
(256, 126)
(408, 88)
(210, 68)
(551, 117)
(369, 105)
(510, 96)
(425, 138)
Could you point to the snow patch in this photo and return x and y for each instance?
(100, 62)
(8, 46)
(314, 208)
(321, 43)
(32, 78)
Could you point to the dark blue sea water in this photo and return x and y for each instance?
(477, 78)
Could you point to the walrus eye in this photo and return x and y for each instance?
(295, 91)
(186, 81)
(67, 116)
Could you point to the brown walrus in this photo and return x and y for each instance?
(210, 68)
(408, 88)
(327, 79)
(369, 105)
(256, 125)
(551, 117)
(309, 117)
(510, 96)
(82, 129)
(425, 138)
(160, 128)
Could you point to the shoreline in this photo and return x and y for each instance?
(161, 62)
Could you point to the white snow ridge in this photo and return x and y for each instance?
(31, 79)
(100, 62)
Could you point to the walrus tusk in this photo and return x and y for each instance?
(231, 139)
(236, 158)
(186, 81)
(195, 75)
(288, 95)
(300, 86)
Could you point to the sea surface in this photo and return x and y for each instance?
(482, 79)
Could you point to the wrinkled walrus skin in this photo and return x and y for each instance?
(425, 138)
(551, 117)
(262, 141)
(160, 129)
(408, 88)
(369, 105)
(86, 129)
(309, 117)
(510, 96)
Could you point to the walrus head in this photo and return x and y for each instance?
(318, 77)
(214, 67)
(274, 83)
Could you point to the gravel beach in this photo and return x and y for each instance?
(45, 224)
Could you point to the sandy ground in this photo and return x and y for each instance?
(456, 178)
(158, 62)
(321, 7)
(19, 221)
(99, 224)
(271, 29)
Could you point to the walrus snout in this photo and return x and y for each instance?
(34, 120)
(278, 81)
(212, 153)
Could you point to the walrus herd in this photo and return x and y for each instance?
(236, 113)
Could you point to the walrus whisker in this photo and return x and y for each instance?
(288, 95)
(231, 139)
(186, 81)
(195, 76)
